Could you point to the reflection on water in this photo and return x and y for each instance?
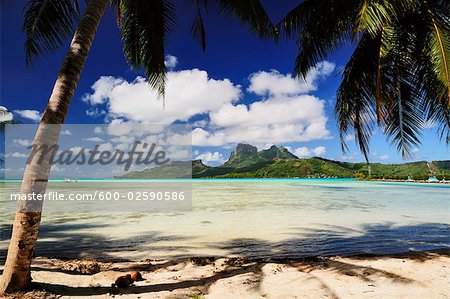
(251, 218)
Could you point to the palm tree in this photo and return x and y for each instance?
(144, 26)
(398, 77)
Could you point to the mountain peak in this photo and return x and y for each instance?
(246, 148)
(242, 152)
(246, 154)
(275, 152)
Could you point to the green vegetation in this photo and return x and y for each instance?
(173, 169)
(278, 162)
(285, 168)
(248, 155)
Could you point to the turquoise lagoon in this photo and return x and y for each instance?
(285, 218)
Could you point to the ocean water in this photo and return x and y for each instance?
(255, 218)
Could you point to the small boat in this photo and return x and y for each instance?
(410, 179)
(70, 181)
(432, 179)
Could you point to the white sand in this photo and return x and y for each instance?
(413, 275)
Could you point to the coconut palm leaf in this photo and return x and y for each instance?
(320, 27)
(250, 12)
(355, 97)
(399, 70)
(131, 31)
(144, 29)
(47, 24)
(145, 24)
(372, 14)
(198, 27)
(406, 99)
(439, 22)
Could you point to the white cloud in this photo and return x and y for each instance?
(119, 127)
(66, 132)
(201, 137)
(286, 114)
(102, 89)
(94, 139)
(5, 115)
(277, 120)
(302, 152)
(123, 139)
(383, 157)
(200, 123)
(188, 93)
(56, 168)
(95, 112)
(98, 130)
(179, 154)
(105, 147)
(171, 61)
(274, 83)
(16, 155)
(76, 149)
(29, 114)
(307, 152)
(210, 158)
(320, 150)
(23, 142)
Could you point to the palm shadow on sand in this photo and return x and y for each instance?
(308, 250)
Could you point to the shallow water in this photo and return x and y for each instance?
(258, 218)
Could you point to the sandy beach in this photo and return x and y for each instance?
(415, 274)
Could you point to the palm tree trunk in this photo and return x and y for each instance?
(16, 273)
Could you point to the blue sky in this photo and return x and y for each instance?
(239, 90)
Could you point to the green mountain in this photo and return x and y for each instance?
(277, 162)
(172, 169)
(247, 155)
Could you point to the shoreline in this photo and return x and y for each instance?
(416, 273)
(108, 180)
(406, 181)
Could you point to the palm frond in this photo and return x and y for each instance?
(440, 42)
(398, 72)
(117, 4)
(145, 26)
(47, 24)
(320, 27)
(373, 15)
(429, 80)
(356, 95)
(406, 100)
(198, 27)
(250, 12)
(378, 84)
(131, 35)
(405, 120)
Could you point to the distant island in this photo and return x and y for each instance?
(277, 162)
